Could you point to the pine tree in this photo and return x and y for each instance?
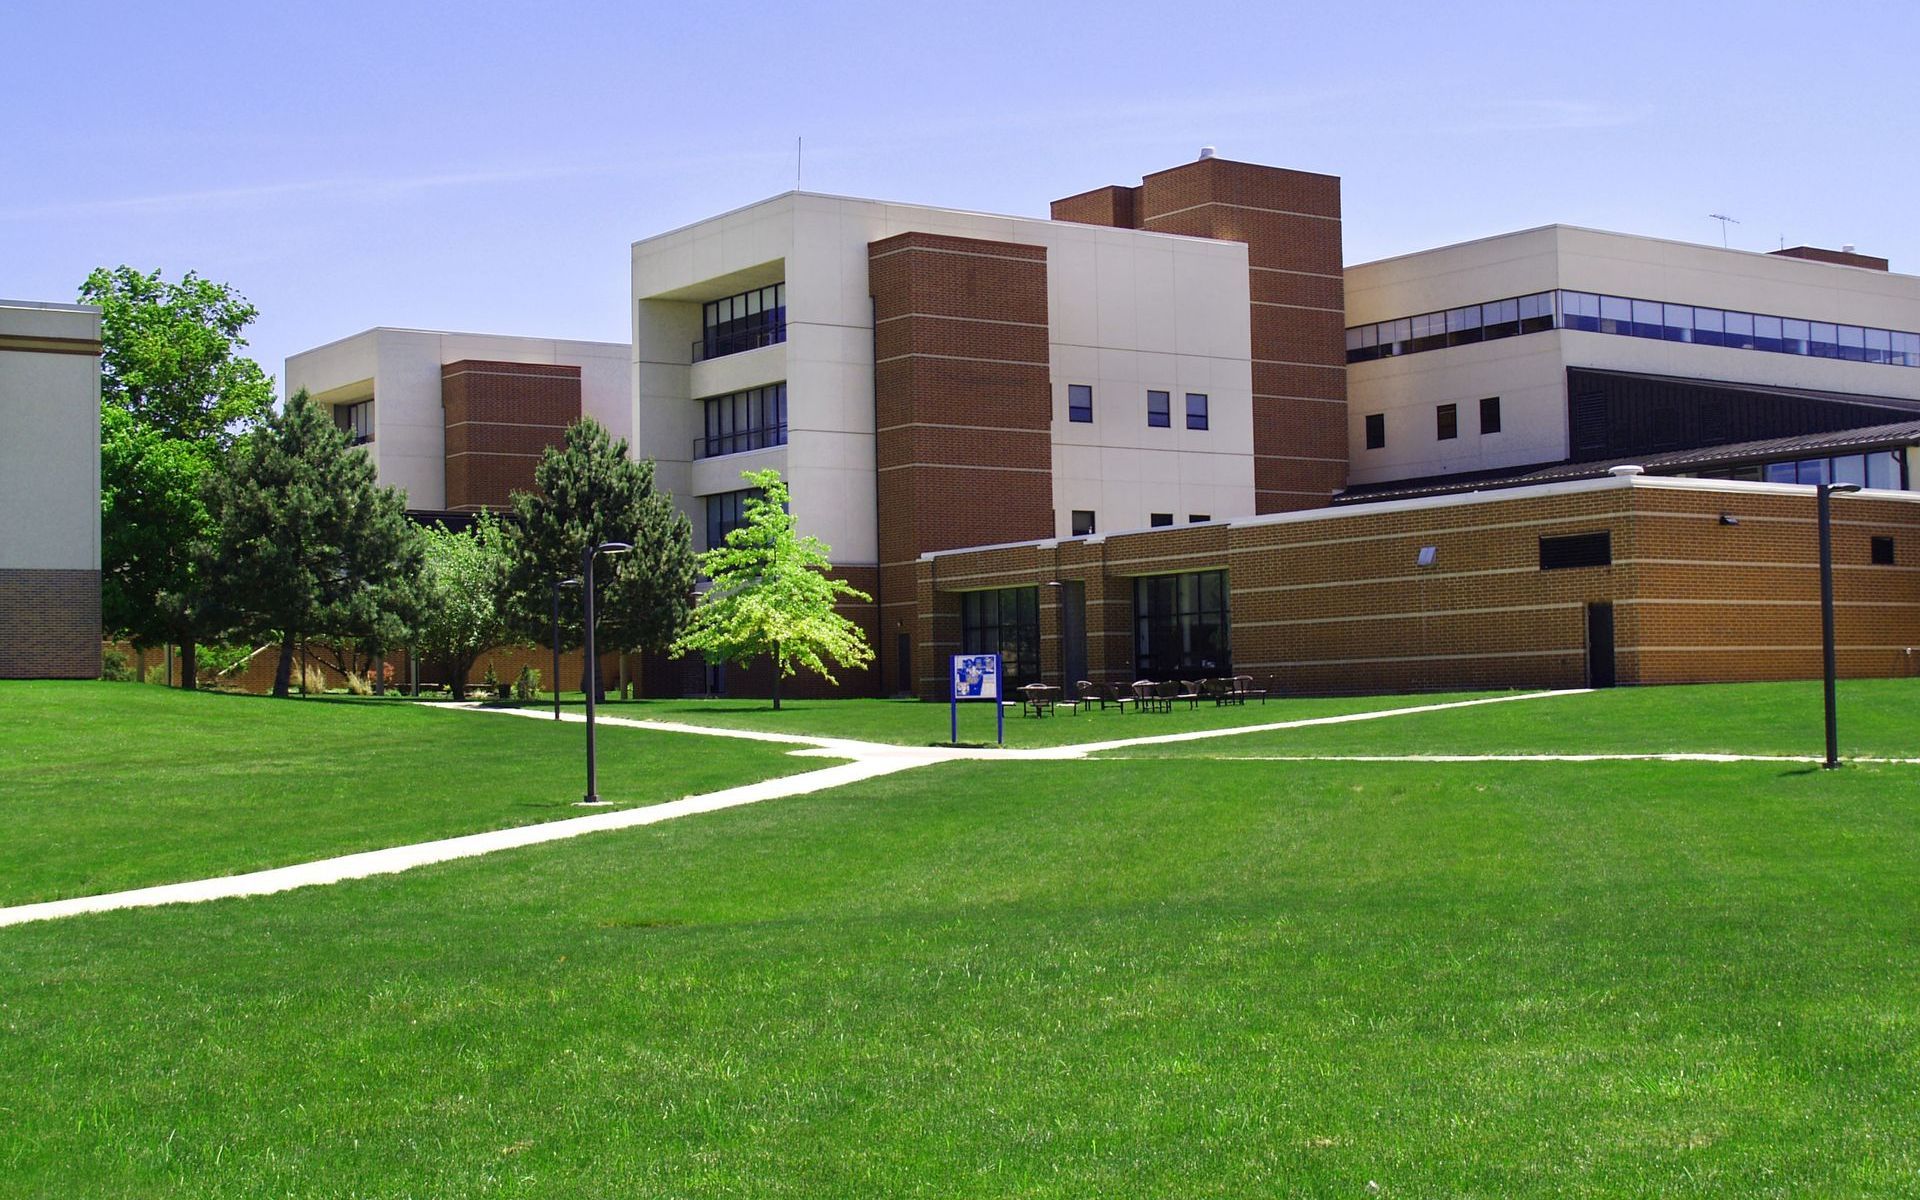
(175, 394)
(773, 593)
(591, 492)
(306, 543)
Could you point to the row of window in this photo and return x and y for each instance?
(1180, 628)
(746, 321)
(726, 512)
(749, 420)
(1446, 422)
(1596, 550)
(1159, 407)
(355, 420)
(1628, 317)
(1880, 469)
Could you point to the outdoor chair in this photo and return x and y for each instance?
(1220, 691)
(1089, 692)
(1243, 684)
(1189, 690)
(1037, 699)
(1148, 698)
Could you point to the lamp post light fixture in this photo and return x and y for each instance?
(557, 585)
(1824, 492)
(593, 665)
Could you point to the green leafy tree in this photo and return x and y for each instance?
(462, 584)
(306, 543)
(175, 394)
(772, 593)
(591, 491)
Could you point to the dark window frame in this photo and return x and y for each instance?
(1159, 409)
(1575, 551)
(1376, 431)
(743, 321)
(1075, 523)
(1080, 403)
(1197, 414)
(1159, 520)
(1489, 415)
(1004, 621)
(1182, 626)
(1881, 551)
(750, 419)
(1446, 422)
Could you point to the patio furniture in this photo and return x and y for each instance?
(1088, 692)
(1220, 691)
(1189, 690)
(1243, 685)
(1148, 698)
(1040, 699)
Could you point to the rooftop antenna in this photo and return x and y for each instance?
(1725, 221)
(799, 144)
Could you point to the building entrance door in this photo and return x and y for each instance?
(1600, 645)
(1073, 633)
(903, 670)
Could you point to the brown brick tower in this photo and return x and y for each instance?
(1290, 222)
(500, 418)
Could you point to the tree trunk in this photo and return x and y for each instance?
(283, 672)
(379, 669)
(189, 657)
(462, 667)
(776, 678)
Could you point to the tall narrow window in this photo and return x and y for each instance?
(1489, 415)
(1082, 522)
(1196, 410)
(1446, 421)
(1159, 409)
(1080, 403)
(1376, 430)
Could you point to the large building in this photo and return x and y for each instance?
(458, 420)
(49, 491)
(927, 379)
(1502, 357)
(1164, 432)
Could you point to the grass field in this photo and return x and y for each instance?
(1179, 978)
(111, 786)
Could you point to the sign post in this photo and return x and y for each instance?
(977, 677)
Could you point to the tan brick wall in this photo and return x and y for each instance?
(500, 417)
(1338, 605)
(49, 624)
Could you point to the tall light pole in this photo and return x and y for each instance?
(593, 666)
(1825, 493)
(557, 585)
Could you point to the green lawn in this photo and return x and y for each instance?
(913, 723)
(111, 786)
(1877, 717)
(1056, 979)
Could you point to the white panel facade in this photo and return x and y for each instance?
(1127, 311)
(49, 438)
(1528, 372)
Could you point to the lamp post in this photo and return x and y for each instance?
(1824, 492)
(557, 585)
(593, 666)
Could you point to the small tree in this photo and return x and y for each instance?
(175, 394)
(461, 586)
(306, 542)
(772, 593)
(591, 492)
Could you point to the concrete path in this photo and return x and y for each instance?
(1795, 759)
(869, 760)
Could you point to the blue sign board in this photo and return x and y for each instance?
(976, 677)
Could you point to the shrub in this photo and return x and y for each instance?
(527, 686)
(313, 680)
(491, 679)
(157, 674)
(358, 684)
(113, 666)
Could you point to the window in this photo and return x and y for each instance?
(1159, 410)
(356, 421)
(1080, 403)
(749, 420)
(1489, 415)
(1082, 522)
(1180, 626)
(1004, 622)
(1446, 422)
(744, 322)
(725, 513)
(1577, 550)
(1156, 520)
(1376, 430)
(1196, 410)
(1883, 552)
(1884, 470)
(1198, 518)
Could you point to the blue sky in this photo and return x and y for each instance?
(485, 166)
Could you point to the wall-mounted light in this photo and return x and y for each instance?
(1729, 519)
